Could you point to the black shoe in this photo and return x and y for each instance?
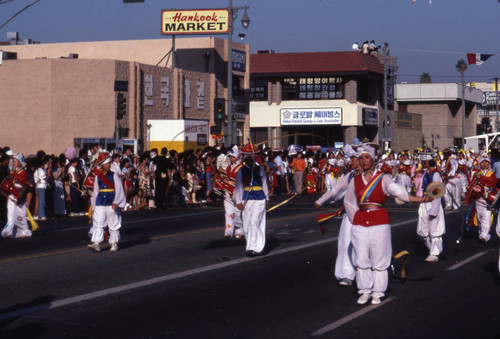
(251, 253)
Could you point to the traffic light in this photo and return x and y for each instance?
(219, 110)
(121, 106)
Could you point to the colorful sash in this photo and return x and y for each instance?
(104, 179)
(370, 187)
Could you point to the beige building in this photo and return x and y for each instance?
(325, 98)
(67, 91)
(441, 108)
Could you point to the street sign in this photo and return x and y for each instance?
(195, 21)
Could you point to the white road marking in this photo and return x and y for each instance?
(350, 317)
(466, 261)
(164, 278)
(152, 281)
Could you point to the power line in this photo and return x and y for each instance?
(449, 76)
(430, 51)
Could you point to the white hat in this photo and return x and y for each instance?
(484, 157)
(234, 152)
(425, 156)
(367, 148)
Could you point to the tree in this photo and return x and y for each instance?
(461, 67)
(425, 78)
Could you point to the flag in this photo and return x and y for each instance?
(477, 59)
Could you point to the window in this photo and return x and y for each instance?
(258, 90)
(313, 88)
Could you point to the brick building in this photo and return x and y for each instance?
(67, 93)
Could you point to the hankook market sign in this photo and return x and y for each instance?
(194, 21)
(314, 116)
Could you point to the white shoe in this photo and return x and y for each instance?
(363, 299)
(35, 217)
(376, 300)
(432, 258)
(42, 218)
(94, 246)
(345, 282)
(114, 247)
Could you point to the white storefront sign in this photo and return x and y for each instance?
(313, 116)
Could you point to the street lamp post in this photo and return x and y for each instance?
(385, 49)
(245, 22)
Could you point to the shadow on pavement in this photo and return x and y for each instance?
(10, 314)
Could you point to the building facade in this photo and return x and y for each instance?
(326, 98)
(69, 93)
(441, 108)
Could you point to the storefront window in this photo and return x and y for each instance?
(258, 90)
(313, 88)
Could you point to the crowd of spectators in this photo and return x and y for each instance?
(59, 186)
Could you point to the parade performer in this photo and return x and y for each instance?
(345, 270)
(431, 223)
(453, 195)
(482, 184)
(329, 171)
(252, 197)
(15, 188)
(462, 171)
(232, 214)
(388, 164)
(108, 198)
(404, 171)
(371, 232)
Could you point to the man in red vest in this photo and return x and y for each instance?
(371, 230)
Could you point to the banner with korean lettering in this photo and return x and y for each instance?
(194, 21)
(313, 116)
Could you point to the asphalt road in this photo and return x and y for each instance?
(176, 277)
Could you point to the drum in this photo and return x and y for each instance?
(218, 185)
(492, 196)
(8, 186)
(229, 186)
(477, 192)
(89, 182)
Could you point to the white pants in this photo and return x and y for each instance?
(373, 249)
(498, 233)
(106, 216)
(344, 265)
(453, 190)
(17, 221)
(483, 219)
(254, 224)
(431, 230)
(330, 181)
(463, 180)
(233, 218)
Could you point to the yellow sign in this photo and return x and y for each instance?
(404, 120)
(195, 21)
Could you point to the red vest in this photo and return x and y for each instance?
(370, 217)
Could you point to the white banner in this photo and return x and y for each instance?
(313, 116)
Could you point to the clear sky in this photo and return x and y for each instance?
(424, 37)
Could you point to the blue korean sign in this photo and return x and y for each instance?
(239, 60)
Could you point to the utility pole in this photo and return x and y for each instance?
(496, 99)
(386, 136)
